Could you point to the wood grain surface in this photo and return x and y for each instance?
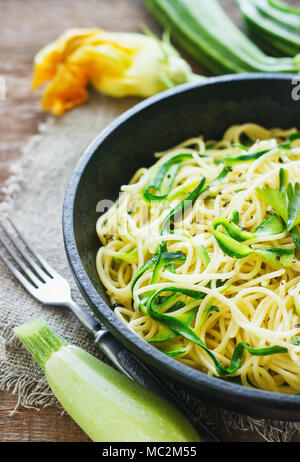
(26, 26)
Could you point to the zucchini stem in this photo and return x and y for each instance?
(40, 340)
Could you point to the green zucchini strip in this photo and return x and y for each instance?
(277, 255)
(206, 310)
(189, 200)
(270, 226)
(164, 178)
(167, 258)
(296, 340)
(230, 161)
(233, 230)
(240, 146)
(230, 246)
(202, 251)
(165, 334)
(290, 139)
(235, 217)
(231, 243)
(182, 329)
(129, 257)
(173, 349)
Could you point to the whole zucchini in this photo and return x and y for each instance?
(204, 30)
(106, 404)
(271, 28)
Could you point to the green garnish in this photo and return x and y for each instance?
(165, 177)
(250, 156)
(294, 205)
(285, 200)
(230, 246)
(277, 255)
(163, 334)
(269, 227)
(276, 199)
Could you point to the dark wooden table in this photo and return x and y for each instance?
(26, 26)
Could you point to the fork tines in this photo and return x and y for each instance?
(27, 266)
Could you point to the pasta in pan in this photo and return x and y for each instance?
(199, 255)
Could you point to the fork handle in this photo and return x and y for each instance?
(137, 371)
(90, 323)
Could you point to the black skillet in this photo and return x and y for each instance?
(158, 123)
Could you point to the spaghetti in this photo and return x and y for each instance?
(199, 255)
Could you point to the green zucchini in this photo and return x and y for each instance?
(283, 6)
(106, 404)
(270, 28)
(204, 30)
(289, 20)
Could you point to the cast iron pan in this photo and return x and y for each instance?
(127, 144)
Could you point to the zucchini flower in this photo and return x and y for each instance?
(118, 64)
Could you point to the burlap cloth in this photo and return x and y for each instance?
(33, 199)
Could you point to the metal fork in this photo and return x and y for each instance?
(51, 289)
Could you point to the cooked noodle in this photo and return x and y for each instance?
(249, 299)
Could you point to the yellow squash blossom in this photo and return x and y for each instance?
(118, 64)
